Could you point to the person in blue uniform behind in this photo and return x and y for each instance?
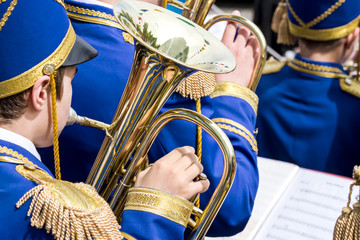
(227, 101)
(307, 105)
(37, 64)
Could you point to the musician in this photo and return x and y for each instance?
(38, 53)
(232, 105)
(307, 109)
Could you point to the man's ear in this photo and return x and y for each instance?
(40, 92)
(352, 37)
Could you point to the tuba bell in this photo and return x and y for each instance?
(168, 48)
(197, 10)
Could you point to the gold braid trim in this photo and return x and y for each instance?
(316, 67)
(197, 85)
(15, 154)
(318, 70)
(318, 19)
(347, 226)
(169, 206)
(7, 13)
(324, 34)
(89, 12)
(237, 128)
(224, 88)
(66, 210)
(97, 17)
(27, 79)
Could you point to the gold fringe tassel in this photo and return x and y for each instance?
(197, 85)
(347, 226)
(280, 25)
(66, 222)
(277, 16)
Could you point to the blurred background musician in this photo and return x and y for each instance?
(306, 107)
(263, 14)
(231, 104)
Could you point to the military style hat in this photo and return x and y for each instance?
(319, 20)
(36, 38)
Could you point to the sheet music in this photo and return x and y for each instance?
(309, 209)
(274, 178)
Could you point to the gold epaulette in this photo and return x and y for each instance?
(350, 86)
(273, 66)
(66, 210)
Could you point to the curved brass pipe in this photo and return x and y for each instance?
(256, 32)
(206, 217)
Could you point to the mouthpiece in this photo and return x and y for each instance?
(84, 121)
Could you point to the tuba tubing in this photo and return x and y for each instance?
(207, 216)
(164, 56)
(199, 227)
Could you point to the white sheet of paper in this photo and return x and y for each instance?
(294, 203)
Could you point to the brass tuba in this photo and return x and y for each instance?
(168, 48)
(197, 10)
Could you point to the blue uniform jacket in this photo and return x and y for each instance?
(97, 89)
(15, 224)
(307, 119)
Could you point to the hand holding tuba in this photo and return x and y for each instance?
(197, 10)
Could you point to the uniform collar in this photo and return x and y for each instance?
(94, 2)
(19, 140)
(322, 69)
(92, 11)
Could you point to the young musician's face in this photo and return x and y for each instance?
(64, 103)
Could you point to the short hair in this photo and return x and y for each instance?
(14, 106)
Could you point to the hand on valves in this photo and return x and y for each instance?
(174, 173)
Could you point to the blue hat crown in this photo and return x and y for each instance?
(323, 20)
(33, 35)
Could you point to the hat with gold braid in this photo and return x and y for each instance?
(319, 20)
(36, 39)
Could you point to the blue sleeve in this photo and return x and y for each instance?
(236, 209)
(148, 226)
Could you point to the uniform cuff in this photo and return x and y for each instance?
(236, 90)
(164, 204)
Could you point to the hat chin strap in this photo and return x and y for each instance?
(55, 126)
